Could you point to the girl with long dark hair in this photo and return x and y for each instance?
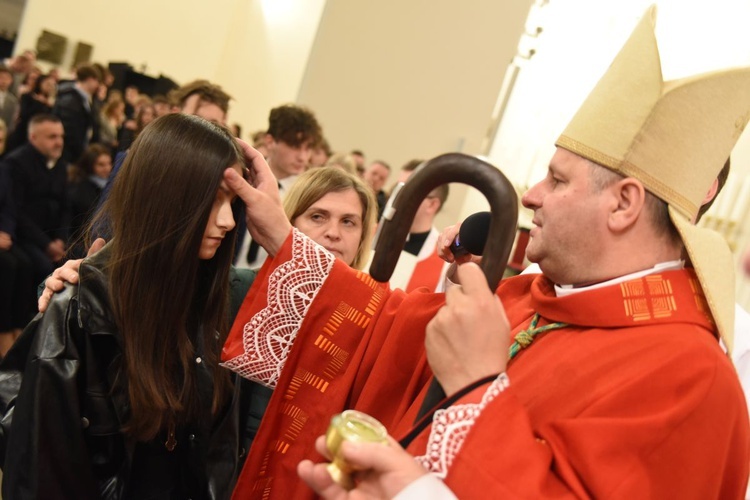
(115, 391)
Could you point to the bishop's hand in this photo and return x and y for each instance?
(468, 338)
(266, 220)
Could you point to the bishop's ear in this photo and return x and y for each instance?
(629, 203)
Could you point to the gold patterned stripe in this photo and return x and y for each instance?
(263, 485)
(377, 292)
(337, 317)
(375, 300)
(303, 376)
(281, 446)
(336, 364)
(649, 297)
(338, 356)
(299, 418)
(264, 464)
(367, 280)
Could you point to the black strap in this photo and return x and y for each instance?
(426, 420)
(435, 394)
(252, 252)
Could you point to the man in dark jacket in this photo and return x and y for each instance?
(39, 184)
(74, 107)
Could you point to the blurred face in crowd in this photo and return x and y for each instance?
(119, 111)
(360, 161)
(427, 210)
(103, 166)
(6, 79)
(101, 93)
(162, 108)
(286, 160)
(48, 86)
(146, 116)
(90, 85)
(47, 138)
(318, 158)
(334, 222)
(194, 105)
(375, 176)
(32, 77)
(23, 63)
(131, 95)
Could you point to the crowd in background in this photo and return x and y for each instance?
(60, 138)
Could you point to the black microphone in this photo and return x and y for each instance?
(472, 235)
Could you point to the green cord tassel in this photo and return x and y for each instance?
(524, 338)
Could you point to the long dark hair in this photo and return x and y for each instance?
(161, 293)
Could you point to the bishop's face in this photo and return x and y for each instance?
(570, 219)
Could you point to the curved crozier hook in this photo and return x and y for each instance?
(451, 167)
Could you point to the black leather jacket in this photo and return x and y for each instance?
(63, 406)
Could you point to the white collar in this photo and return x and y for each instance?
(563, 290)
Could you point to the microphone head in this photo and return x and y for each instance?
(473, 232)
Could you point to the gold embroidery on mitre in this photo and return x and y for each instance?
(648, 298)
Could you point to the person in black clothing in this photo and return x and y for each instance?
(90, 176)
(144, 115)
(37, 102)
(17, 304)
(39, 185)
(74, 107)
(3, 137)
(375, 176)
(115, 391)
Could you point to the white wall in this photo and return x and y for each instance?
(265, 55)
(256, 49)
(411, 79)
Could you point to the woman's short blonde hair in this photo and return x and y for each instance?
(318, 182)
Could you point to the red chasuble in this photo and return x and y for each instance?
(634, 399)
